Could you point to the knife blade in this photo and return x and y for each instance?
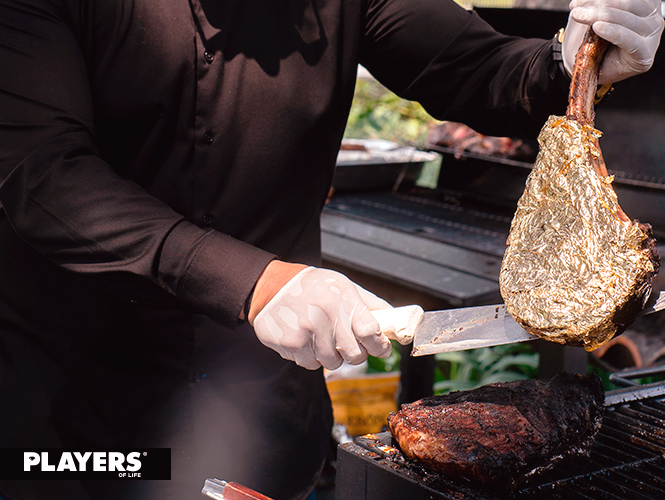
(465, 328)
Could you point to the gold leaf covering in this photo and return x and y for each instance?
(571, 263)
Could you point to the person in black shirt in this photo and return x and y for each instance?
(163, 169)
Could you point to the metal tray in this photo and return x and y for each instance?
(377, 164)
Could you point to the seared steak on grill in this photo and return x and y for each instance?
(500, 433)
(576, 270)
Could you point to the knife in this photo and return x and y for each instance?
(465, 328)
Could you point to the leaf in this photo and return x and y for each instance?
(382, 365)
(472, 368)
(453, 385)
(519, 360)
(466, 373)
(451, 357)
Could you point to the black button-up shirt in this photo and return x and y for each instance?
(154, 157)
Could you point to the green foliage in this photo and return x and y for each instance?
(389, 364)
(377, 113)
(604, 374)
(464, 370)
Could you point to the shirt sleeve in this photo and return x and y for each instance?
(68, 204)
(461, 69)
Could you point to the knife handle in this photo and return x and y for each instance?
(399, 323)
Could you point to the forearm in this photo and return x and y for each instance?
(508, 91)
(272, 279)
(460, 69)
(110, 232)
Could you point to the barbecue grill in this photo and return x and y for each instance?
(447, 242)
(627, 460)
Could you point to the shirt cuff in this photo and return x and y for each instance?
(210, 272)
(557, 70)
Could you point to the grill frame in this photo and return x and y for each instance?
(627, 459)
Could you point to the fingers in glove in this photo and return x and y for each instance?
(372, 302)
(633, 27)
(640, 57)
(280, 332)
(632, 49)
(306, 360)
(357, 332)
(320, 317)
(640, 8)
(367, 331)
(618, 27)
(323, 335)
(346, 341)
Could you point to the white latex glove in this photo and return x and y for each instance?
(321, 318)
(633, 27)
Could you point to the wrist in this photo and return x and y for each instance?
(557, 50)
(274, 277)
(557, 70)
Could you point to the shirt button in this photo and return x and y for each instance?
(208, 56)
(208, 137)
(207, 219)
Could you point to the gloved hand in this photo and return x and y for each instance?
(633, 27)
(321, 318)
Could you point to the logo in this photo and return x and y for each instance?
(150, 463)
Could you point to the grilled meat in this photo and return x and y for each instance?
(500, 433)
(576, 270)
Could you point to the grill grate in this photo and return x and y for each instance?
(627, 461)
(445, 221)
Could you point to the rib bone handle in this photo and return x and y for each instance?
(585, 78)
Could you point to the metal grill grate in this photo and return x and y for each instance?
(446, 221)
(627, 460)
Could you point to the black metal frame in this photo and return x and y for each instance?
(633, 391)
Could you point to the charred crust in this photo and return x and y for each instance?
(625, 315)
(559, 417)
(649, 244)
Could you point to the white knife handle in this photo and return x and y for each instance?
(399, 323)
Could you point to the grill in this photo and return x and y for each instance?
(627, 460)
(446, 242)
